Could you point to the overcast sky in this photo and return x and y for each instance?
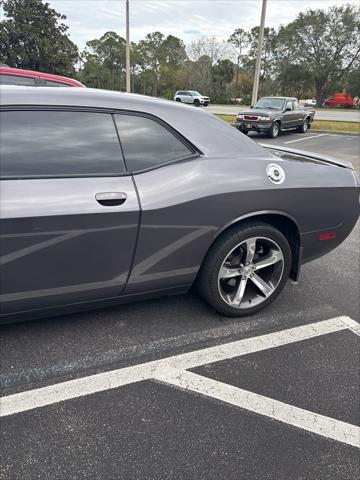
(187, 19)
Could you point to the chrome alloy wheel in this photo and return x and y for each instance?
(251, 272)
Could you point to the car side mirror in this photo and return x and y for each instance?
(288, 109)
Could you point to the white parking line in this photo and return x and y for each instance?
(283, 412)
(172, 370)
(308, 137)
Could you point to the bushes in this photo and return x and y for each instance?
(246, 100)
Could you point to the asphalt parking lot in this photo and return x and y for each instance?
(168, 389)
(342, 146)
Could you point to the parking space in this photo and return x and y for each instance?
(151, 431)
(183, 393)
(193, 415)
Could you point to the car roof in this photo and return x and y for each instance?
(5, 70)
(89, 97)
(203, 129)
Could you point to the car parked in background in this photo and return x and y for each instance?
(192, 97)
(17, 76)
(340, 100)
(272, 115)
(310, 102)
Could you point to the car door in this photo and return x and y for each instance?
(187, 97)
(69, 211)
(288, 119)
(166, 231)
(298, 114)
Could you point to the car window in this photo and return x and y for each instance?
(49, 83)
(58, 143)
(272, 103)
(147, 144)
(289, 104)
(16, 80)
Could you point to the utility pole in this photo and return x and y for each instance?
(259, 52)
(128, 84)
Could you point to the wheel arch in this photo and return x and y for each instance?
(285, 223)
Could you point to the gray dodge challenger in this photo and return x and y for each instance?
(109, 197)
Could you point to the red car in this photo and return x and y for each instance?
(340, 100)
(16, 76)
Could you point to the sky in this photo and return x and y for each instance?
(187, 19)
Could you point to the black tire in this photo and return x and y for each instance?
(207, 281)
(303, 128)
(178, 100)
(245, 132)
(274, 130)
(197, 102)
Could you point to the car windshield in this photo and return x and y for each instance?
(195, 94)
(272, 103)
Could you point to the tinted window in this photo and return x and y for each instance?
(36, 143)
(16, 80)
(49, 83)
(147, 144)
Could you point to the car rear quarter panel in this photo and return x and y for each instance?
(186, 205)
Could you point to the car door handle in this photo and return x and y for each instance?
(111, 199)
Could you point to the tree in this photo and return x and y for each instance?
(159, 59)
(327, 42)
(223, 74)
(32, 37)
(353, 82)
(150, 54)
(205, 52)
(104, 62)
(268, 56)
(294, 81)
(174, 53)
(239, 40)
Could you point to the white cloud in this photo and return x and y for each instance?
(187, 19)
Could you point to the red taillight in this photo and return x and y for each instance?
(327, 236)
